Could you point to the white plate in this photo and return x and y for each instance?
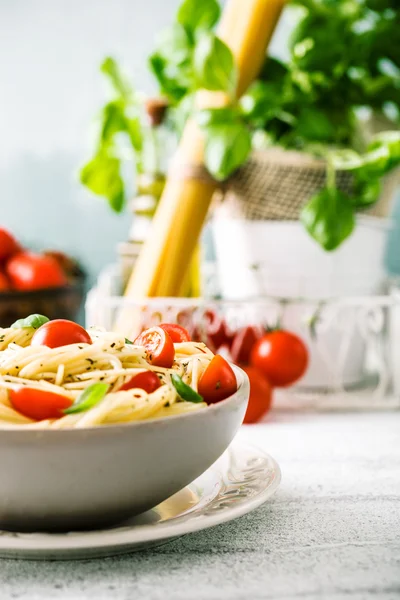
(242, 479)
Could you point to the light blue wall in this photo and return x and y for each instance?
(50, 88)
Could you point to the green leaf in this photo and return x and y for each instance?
(366, 193)
(214, 66)
(168, 80)
(185, 391)
(314, 124)
(214, 116)
(195, 14)
(102, 176)
(110, 68)
(391, 141)
(329, 218)
(91, 396)
(227, 147)
(262, 102)
(128, 341)
(112, 120)
(35, 321)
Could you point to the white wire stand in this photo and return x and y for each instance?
(354, 343)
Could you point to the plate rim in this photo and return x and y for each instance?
(30, 545)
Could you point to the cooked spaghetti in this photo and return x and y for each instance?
(108, 358)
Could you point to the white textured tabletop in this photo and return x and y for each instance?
(331, 531)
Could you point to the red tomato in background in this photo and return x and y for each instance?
(218, 381)
(4, 283)
(8, 244)
(147, 381)
(158, 345)
(177, 333)
(39, 404)
(29, 271)
(260, 395)
(60, 332)
(217, 331)
(281, 356)
(243, 343)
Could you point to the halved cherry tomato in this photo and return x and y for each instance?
(243, 343)
(177, 333)
(30, 271)
(4, 283)
(159, 346)
(147, 381)
(60, 332)
(260, 395)
(39, 404)
(8, 244)
(282, 357)
(217, 330)
(218, 381)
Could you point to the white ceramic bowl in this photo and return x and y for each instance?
(85, 478)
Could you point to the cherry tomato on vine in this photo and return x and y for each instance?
(281, 356)
(60, 332)
(158, 345)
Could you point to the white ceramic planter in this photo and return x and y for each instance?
(280, 259)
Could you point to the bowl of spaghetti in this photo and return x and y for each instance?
(95, 428)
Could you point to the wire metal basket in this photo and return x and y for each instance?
(354, 343)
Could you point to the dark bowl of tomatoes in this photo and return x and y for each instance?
(56, 303)
(49, 283)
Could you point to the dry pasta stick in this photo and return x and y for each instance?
(247, 27)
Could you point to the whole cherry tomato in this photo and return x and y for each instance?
(60, 332)
(260, 395)
(39, 404)
(281, 356)
(218, 381)
(4, 283)
(8, 244)
(158, 345)
(177, 333)
(29, 271)
(147, 381)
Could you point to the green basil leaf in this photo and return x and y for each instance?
(329, 218)
(91, 396)
(226, 148)
(262, 102)
(169, 78)
(366, 193)
(112, 120)
(110, 68)
(391, 141)
(128, 341)
(195, 14)
(35, 321)
(185, 391)
(215, 116)
(102, 176)
(214, 65)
